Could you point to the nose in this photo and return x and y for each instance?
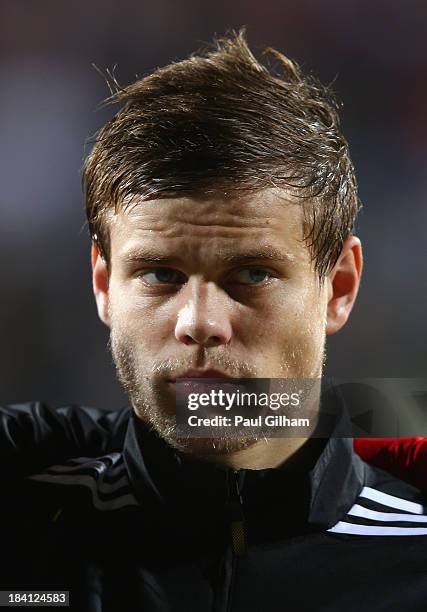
(205, 317)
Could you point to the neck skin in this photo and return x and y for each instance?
(290, 455)
(281, 452)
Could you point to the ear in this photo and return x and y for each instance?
(100, 280)
(343, 284)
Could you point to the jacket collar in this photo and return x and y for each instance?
(339, 473)
(315, 499)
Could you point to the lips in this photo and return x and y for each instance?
(203, 381)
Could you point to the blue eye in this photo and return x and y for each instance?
(252, 276)
(163, 276)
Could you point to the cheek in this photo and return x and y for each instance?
(306, 334)
(294, 329)
(309, 317)
(138, 317)
(299, 311)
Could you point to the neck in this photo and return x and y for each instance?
(284, 452)
(279, 453)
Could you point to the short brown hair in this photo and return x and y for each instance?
(223, 121)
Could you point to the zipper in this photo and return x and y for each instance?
(235, 513)
(236, 521)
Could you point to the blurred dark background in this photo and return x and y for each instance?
(52, 346)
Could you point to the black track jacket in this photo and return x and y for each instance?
(115, 516)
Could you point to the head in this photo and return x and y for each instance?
(221, 201)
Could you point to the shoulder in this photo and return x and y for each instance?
(98, 483)
(385, 506)
(64, 514)
(35, 435)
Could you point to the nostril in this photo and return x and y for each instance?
(215, 341)
(189, 340)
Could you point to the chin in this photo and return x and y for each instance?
(213, 447)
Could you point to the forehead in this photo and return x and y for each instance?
(268, 220)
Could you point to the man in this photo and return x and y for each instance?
(221, 201)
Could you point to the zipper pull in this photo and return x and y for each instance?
(237, 519)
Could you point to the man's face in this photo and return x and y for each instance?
(213, 284)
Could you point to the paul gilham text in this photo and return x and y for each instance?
(276, 420)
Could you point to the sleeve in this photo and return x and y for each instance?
(405, 458)
(34, 435)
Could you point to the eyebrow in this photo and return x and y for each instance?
(148, 257)
(266, 254)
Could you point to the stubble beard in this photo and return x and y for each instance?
(143, 385)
